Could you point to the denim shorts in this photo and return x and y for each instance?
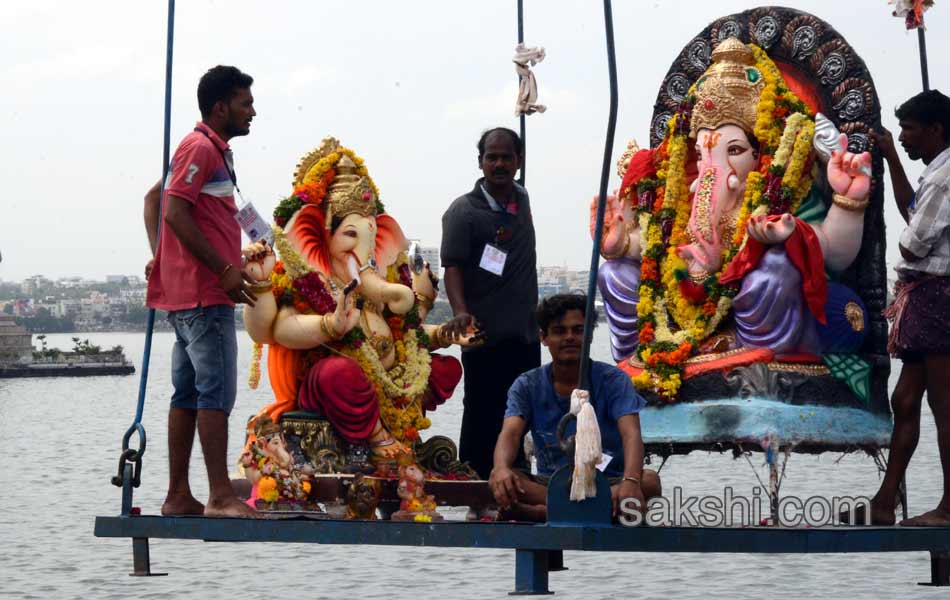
(204, 358)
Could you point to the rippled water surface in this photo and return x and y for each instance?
(62, 436)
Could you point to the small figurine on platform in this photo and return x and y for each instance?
(269, 467)
(362, 498)
(415, 505)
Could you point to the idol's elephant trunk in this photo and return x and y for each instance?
(398, 297)
(711, 201)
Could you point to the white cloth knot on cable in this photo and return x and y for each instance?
(528, 85)
(587, 448)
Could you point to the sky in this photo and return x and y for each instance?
(408, 85)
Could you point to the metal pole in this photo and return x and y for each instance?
(584, 382)
(922, 46)
(524, 143)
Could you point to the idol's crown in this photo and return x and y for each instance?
(728, 92)
(349, 193)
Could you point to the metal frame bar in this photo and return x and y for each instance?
(537, 546)
(614, 538)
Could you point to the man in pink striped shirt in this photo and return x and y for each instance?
(196, 276)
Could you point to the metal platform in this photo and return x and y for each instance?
(534, 543)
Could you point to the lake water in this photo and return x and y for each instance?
(63, 437)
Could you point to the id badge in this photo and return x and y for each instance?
(253, 224)
(493, 260)
(604, 461)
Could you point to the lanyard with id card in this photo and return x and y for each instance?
(493, 257)
(251, 221)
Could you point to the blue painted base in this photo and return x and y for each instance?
(592, 511)
(534, 542)
(752, 421)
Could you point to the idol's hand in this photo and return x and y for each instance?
(345, 316)
(771, 231)
(845, 171)
(472, 337)
(259, 260)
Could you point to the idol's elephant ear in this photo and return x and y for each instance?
(390, 241)
(308, 234)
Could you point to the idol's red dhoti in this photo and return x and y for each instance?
(337, 388)
(446, 374)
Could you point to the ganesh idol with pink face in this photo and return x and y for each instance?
(720, 236)
(342, 312)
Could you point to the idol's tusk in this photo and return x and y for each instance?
(353, 266)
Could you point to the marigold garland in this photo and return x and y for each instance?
(399, 395)
(254, 378)
(784, 128)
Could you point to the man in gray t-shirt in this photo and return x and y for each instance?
(488, 251)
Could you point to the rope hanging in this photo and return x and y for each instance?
(587, 448)
(524, 59)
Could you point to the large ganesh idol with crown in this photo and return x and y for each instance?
(736, 245)
(343, 322)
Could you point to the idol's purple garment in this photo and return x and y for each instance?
(619, 284)
(770, 308)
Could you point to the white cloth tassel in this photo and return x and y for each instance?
(528, 86)
(587, 449)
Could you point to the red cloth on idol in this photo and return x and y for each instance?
(804, 250)
(337, 387)
(446, 374)
(641, 165)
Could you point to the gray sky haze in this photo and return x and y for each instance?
(408, 85)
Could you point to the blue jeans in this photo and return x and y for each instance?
(204, 358)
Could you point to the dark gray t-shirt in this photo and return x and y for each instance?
(505, 304)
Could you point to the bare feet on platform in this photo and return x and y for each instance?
(182, 505)
(230, 507)
(879, 516)
(937, 517)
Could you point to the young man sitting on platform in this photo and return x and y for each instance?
(540, 397)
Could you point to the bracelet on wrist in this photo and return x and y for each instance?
(630, 478)
(327, 328)
(849, 204)
(226, 268)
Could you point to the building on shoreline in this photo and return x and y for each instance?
(16, 343)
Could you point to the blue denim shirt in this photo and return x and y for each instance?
(532, 397)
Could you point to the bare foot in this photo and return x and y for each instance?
(879, 516)
(535, 513)
(934, 518)
(180, 505)
(386, 448)
(230, 507)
